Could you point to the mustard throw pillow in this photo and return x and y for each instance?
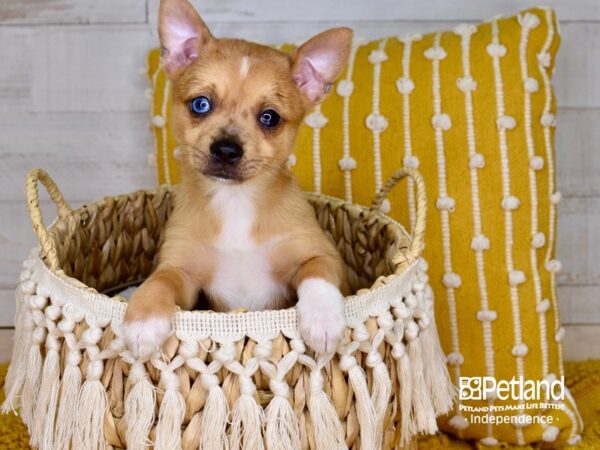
(473, 109)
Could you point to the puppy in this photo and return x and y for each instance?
(242, 233)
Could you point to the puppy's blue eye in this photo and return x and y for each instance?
(200, 105)
(269, 118)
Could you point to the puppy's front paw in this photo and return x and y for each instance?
(146, 336)
(321, 314)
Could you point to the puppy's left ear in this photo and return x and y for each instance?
(317, 63)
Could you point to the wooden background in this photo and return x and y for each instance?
(72, 101)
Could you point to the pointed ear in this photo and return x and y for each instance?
(182, 34)
(317, 63)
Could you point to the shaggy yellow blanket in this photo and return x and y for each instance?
(582, 378)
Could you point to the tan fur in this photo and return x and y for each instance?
(283, 216)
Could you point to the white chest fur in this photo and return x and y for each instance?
(242, 277)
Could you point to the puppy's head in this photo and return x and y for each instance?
(237, 105)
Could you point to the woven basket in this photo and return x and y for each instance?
(224, 380)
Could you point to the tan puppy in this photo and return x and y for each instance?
(242, 232)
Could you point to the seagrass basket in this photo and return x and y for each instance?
(223, 380)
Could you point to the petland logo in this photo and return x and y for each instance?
(488, 388)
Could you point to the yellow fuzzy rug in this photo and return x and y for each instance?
(582, 378)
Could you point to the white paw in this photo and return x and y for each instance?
(144, 337)
(321, 314)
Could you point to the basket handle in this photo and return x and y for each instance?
(418, 232)
(35, 213)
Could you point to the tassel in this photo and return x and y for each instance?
(170, 415)
(364, 406)
(329, 433)
(32, 382)
(247, 417)
(282, 430)
(92, 404)
(47, 400)
(441, 390)
(139, 408)
(404, 375)
(214, 415)
(423, 411)
(382, 384)
(71, 382)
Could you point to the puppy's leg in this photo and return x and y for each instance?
(320, 304)
(148, 317)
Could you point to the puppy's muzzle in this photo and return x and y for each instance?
(226, 152)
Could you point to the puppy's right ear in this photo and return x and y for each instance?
(182, 34)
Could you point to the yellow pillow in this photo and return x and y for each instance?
(473, 109)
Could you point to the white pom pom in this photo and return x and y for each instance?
(536, 163)
(411, 161)
(445, 204)
(553, 265)
(476, 161)
(574, 440)
(550, 434)
(151, 159)
(510, 203)
(506, 122)
(405, 85)
(465, 29)
(435, 53)
(411, 37)
(531, 85)
(555, 198)
(538, 240)
(480, 243)
(489, 441)
(516, 277)
(291, 161)
(441, 121)
(159, 121)
(496, 50)
(377, 56)
(347, 163)
(466, 84)
(345, 88)
(529, 20)
(520, 350)
(149, 93)
(451, 280)
(455, 359)
(315, 120)
(385, 207)
(458, 422)
(376, 122)
(559, 335)
(486, 315)
(544, 59)
(542, 306)
(548, 120)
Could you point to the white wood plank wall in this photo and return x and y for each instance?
(72, 101)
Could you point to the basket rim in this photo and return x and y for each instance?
(97, 308)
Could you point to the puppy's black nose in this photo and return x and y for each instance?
(226, 151)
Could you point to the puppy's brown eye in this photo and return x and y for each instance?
(269, 118)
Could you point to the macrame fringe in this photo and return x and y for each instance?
(91, 407)
(382, 385)
(15, 378)
(246, 424)
(407, 422)
(328, 430)
(214, 420)
(170, 415)
(424, 414)
(282, 430)
(67, 414)
(139, 408)
(441, 392)
(48, 396)
(364, 406)
(31, 387)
